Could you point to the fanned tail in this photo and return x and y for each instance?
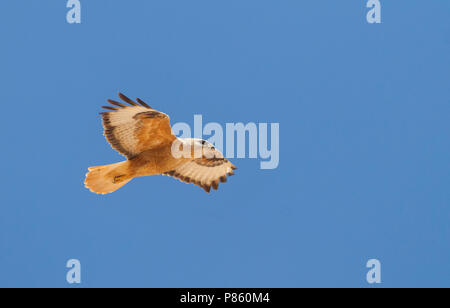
(106, 179)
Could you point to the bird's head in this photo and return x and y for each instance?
(200, 147)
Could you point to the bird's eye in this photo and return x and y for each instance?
(203, 142)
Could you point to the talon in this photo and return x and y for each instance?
(119, 178)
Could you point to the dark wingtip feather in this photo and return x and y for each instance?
(110, 108)
(127, 100)
(215, 185)
(143, 103)
(116, 103)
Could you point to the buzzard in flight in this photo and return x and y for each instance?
(144, 136)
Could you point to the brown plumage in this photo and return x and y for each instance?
(144, 136)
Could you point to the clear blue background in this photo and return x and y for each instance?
(364, 143)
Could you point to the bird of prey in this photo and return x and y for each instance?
(144, 136)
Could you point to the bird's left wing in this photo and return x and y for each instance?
(204, 172)
(136, 127)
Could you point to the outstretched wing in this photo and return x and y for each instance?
(134, 128)
(204, 172)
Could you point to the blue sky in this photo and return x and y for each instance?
(364, 143)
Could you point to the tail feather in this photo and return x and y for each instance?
(106, 179)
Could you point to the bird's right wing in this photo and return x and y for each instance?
(134, 128)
